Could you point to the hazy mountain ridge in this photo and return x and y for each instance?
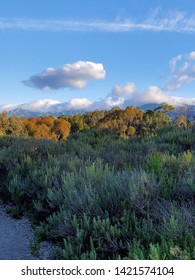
(58, 109)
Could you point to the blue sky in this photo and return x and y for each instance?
(93, 54)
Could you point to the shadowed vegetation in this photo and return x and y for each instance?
(98, 195)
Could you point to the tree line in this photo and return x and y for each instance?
(126, 123)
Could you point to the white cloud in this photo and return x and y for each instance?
(128, 93)
(174, 61)
(153, 94)
(40, 105)
(134, 97)
(78, 104)
(182, 71)
(49, 105)
(181, 100)
(113, 102)
(35, 106)
(172, 21)
(7, 107)
(75, 75)
(124, 90)
(192, 55)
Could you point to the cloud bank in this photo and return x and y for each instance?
(75, 76)
(158, 21)
(151, 95)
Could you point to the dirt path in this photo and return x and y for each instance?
(16, 237)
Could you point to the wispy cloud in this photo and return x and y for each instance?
(182, 71)
(172, 21)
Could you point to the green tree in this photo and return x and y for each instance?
(181, 122)
(15, 126)
(165, 108)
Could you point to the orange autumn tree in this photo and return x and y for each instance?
(48, 128)
(61, 129)
(125, 122)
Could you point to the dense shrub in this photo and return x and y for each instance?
(99, 196)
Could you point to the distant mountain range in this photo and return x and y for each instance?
(27, 113)
(184, 109)
(55, 108)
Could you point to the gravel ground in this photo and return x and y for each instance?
(16, 237)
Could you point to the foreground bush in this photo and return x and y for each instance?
(98, 196)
